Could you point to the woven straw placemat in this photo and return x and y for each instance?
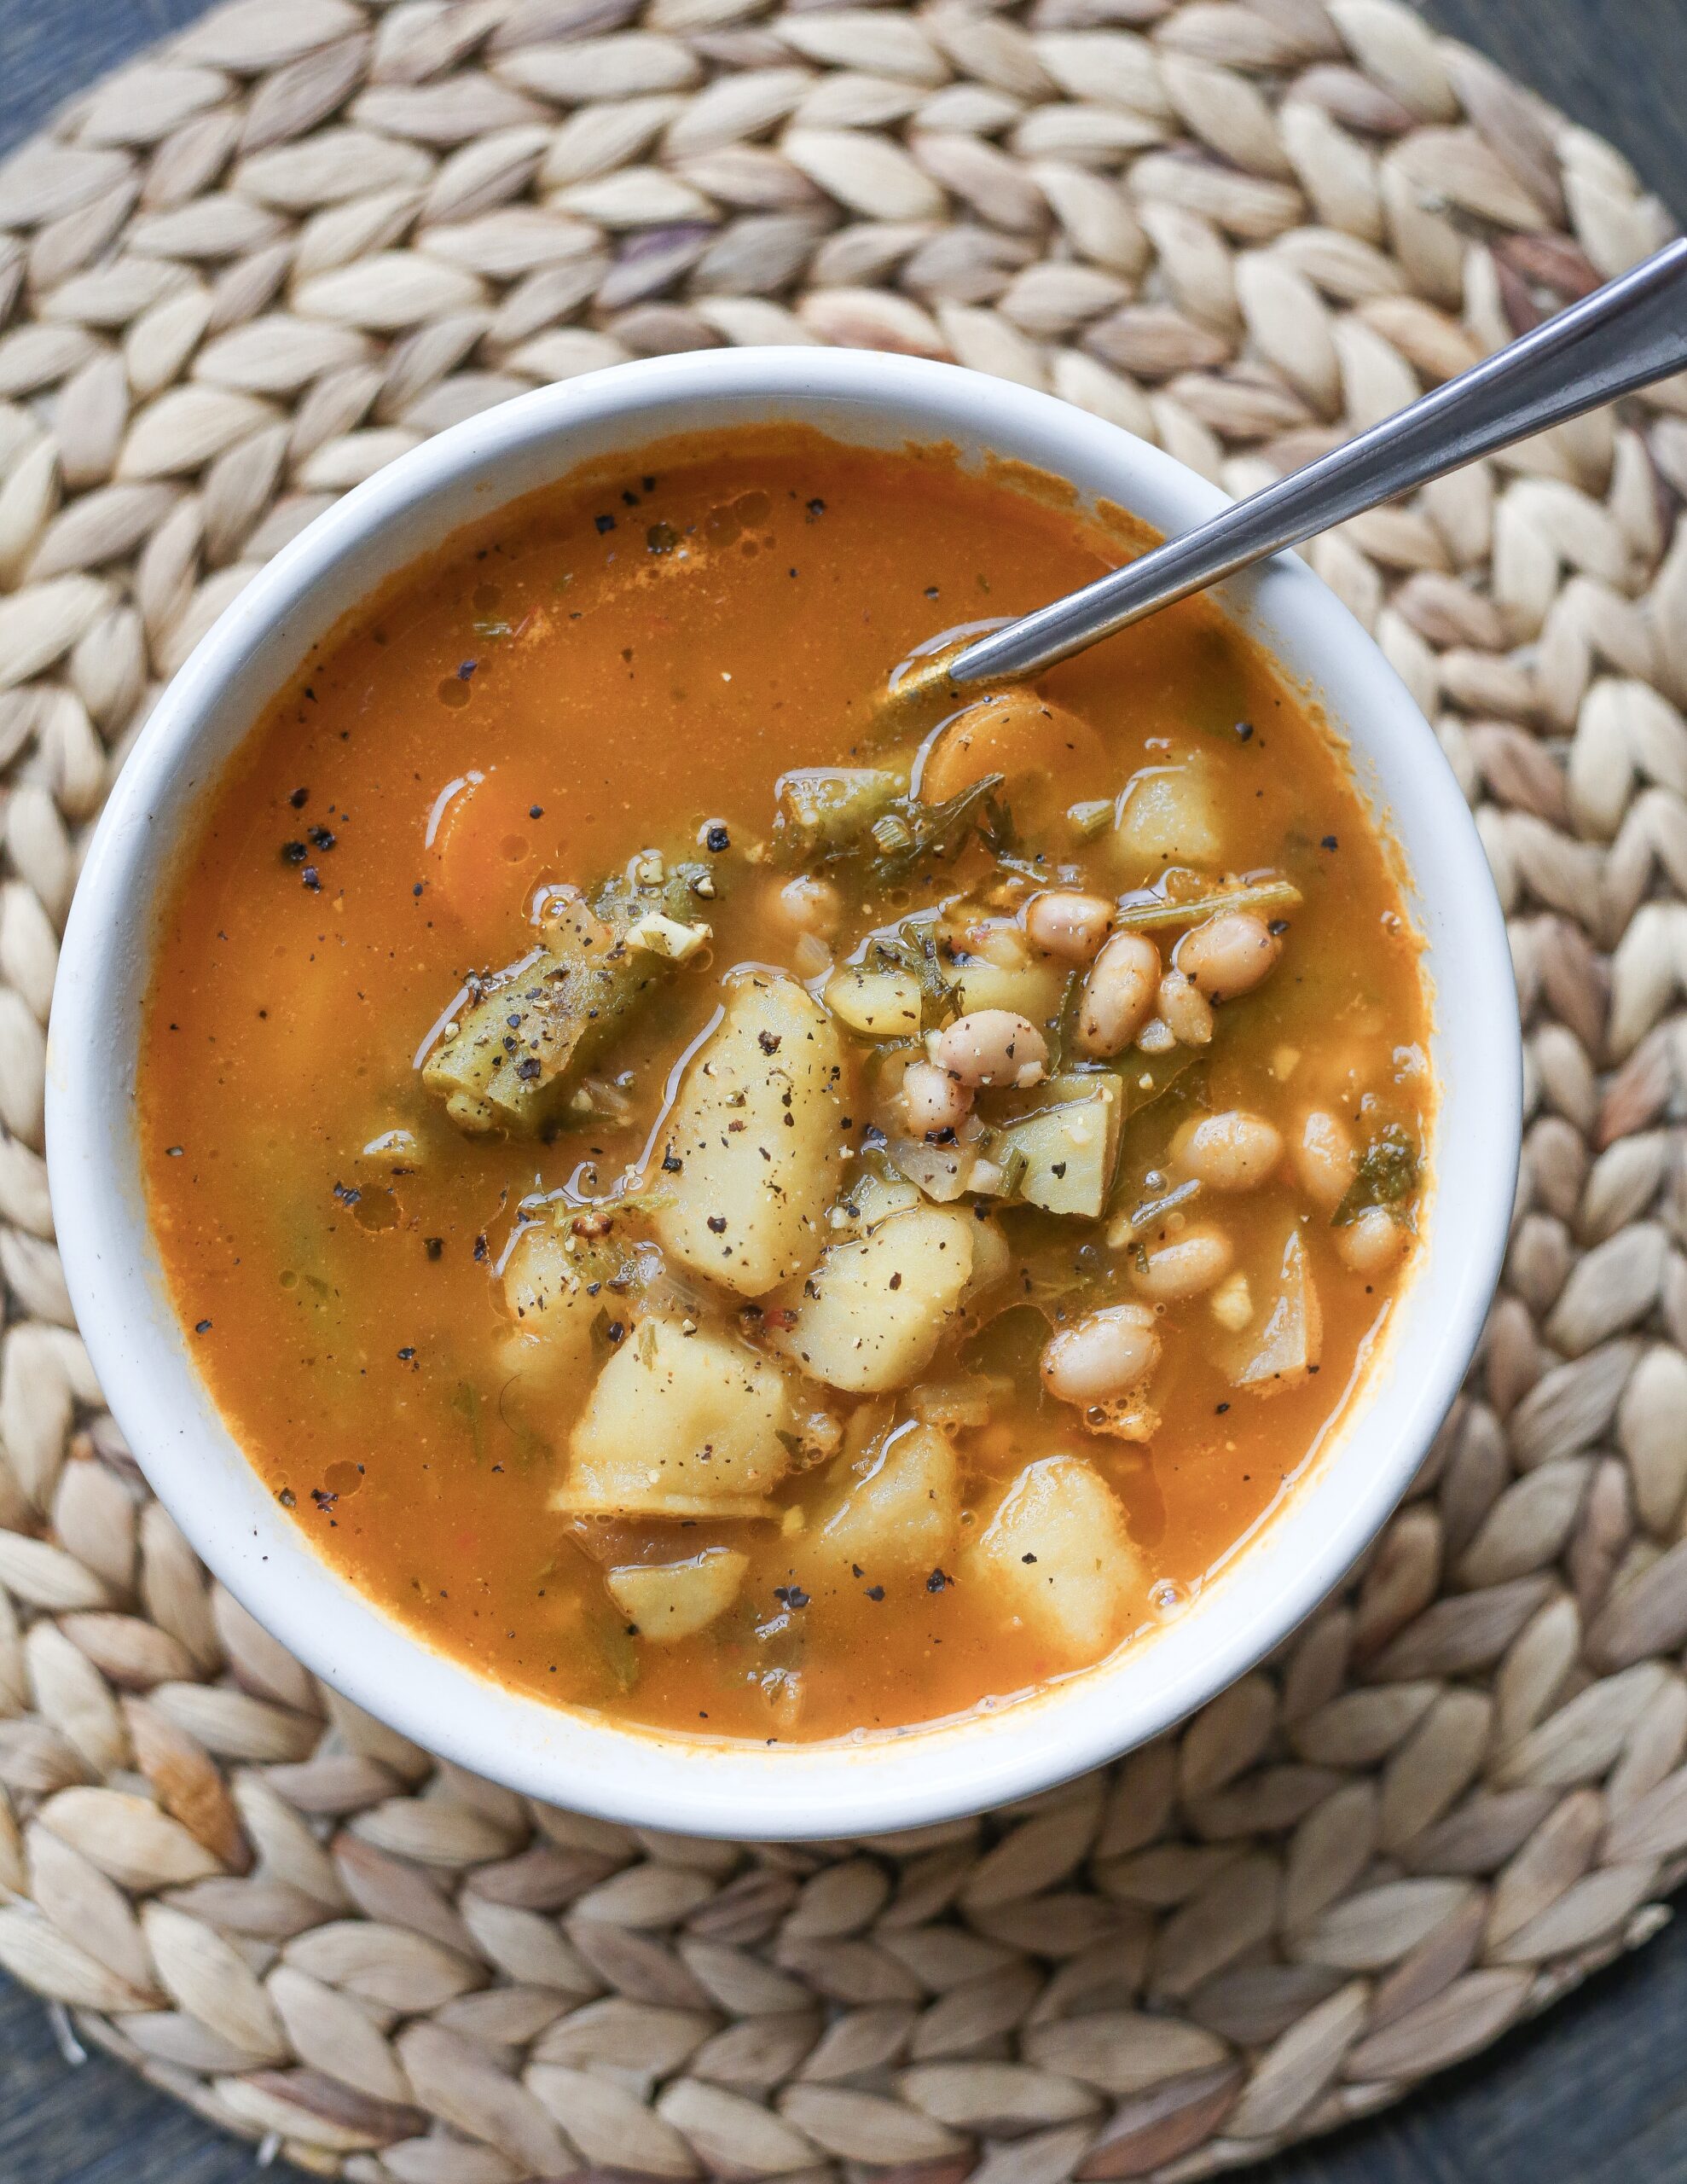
(241, 276)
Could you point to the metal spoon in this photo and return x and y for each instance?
(1626, 334)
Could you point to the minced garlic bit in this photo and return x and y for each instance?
(1233, 1303)
(667, 936)
(398, 1149)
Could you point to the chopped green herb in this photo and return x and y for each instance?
(1387, 1175)
(1156, 911)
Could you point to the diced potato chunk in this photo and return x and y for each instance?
(680, 1425)
(1063, 1154)
(560, 1284)
(1286, 1335)
(1166, 816)
(1056, 1558)
(991, 1258)
(874, 1309)
(547, 1290)
(942, 1172)
(1033, 991)
(873, 1197)
(961, 1404)
(756, 1132)
(896, 1509)
(876, 1004)
(670, 1601)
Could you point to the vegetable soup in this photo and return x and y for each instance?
(752, 1209)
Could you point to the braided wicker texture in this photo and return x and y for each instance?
(238, 278)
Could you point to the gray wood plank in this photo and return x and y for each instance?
(1618, 67)
(1596, 2093)
(51, 49)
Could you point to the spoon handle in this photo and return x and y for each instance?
(1626, 334)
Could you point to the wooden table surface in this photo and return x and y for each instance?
(1596, 2093)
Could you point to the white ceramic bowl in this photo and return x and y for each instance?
(262, 1555)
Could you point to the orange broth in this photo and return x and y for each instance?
(624, 660)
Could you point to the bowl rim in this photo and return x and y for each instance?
(632, 1774)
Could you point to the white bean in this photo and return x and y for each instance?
(809, 905)
(998, 941)
(1185, 1265)
(1322, 1153)
(1102, 1356)
(1370, 1243)
(992, 1046)
(1118, 994)
(1185, 1010)
(1229, 955)
(1231, 1152)
(933, 1101)
(1069, 924)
